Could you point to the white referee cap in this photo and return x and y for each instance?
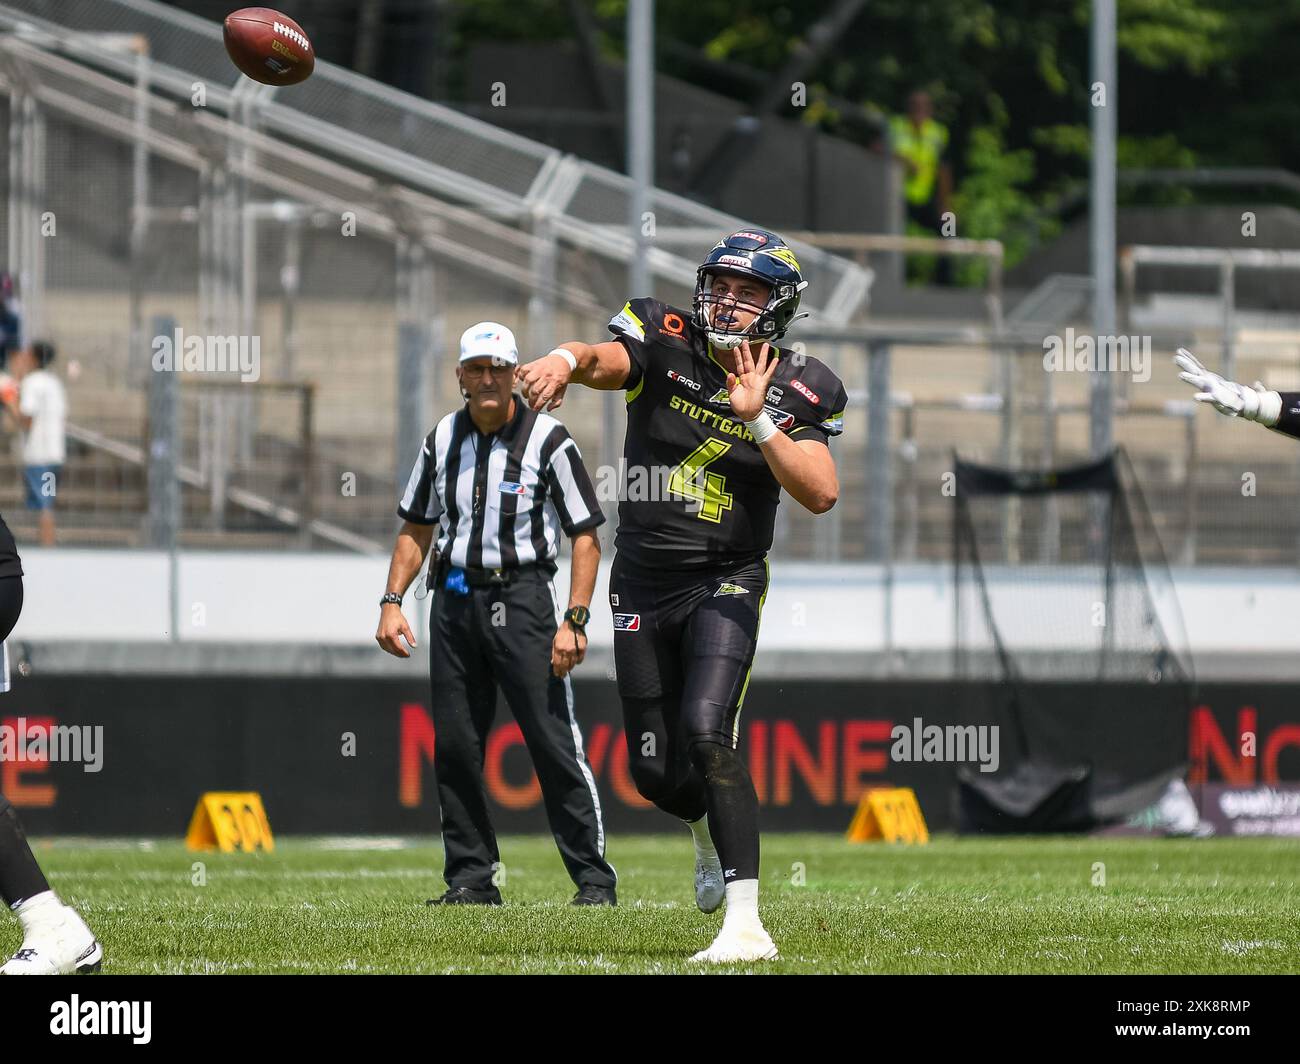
(489, 339)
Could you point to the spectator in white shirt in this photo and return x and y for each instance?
(41, 409)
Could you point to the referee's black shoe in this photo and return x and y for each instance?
(592, 895)
(468, 896)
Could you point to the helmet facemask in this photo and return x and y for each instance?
(764, 327)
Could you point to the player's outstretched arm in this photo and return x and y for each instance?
(1229, 397)
(604, 366)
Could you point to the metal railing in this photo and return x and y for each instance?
(335, 218)
(1226, 260)
(861, 245)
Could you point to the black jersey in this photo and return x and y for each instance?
(10, 565)
(697, 492)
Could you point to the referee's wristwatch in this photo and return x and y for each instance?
(578, 616)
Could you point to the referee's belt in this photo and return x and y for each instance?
(488, 577)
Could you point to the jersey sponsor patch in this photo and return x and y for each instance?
(805, 391)
(782, 419)
(673, 375)
(721, 397)
(627, 622)
(627, 323)
(774, 394)
(730, 589)
(510, 487)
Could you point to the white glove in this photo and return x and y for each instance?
(1228, 397)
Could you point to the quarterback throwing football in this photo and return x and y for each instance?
(723, 420)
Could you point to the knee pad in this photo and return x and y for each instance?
(713, 760)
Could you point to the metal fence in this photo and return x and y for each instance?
(1218, 490)
(354, 231)
(351, 230)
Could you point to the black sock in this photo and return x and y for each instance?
(733, 808)
(20, 876)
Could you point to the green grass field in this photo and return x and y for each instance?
(957, 905)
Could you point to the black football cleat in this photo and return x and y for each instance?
(591, 895)
(468, 896)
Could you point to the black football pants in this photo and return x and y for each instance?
(683, 646)
(20, 876)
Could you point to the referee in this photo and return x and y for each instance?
(500, 481)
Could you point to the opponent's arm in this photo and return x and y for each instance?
(604, 366)
(1236, 400)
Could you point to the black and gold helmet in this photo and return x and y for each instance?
(764, 256)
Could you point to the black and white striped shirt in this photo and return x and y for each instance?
(501, 499)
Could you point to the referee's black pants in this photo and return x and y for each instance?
(502, 636)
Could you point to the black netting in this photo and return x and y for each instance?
(1069, 638)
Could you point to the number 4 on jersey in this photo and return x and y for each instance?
(690, 479)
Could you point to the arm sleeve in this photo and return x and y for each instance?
(570, 487)
(420, 503)
(630, 326)
(824, 418)
(1288, 421)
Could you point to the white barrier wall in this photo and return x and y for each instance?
(1240, 622)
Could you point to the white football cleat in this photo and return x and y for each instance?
(710, 888)
(737, 945)
(63, 945)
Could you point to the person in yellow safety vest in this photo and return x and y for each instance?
(921, 144)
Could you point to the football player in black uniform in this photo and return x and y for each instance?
(55, 939)
(719, 421)
(1279, 411)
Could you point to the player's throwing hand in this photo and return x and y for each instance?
(544, 381)
(748, 385)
